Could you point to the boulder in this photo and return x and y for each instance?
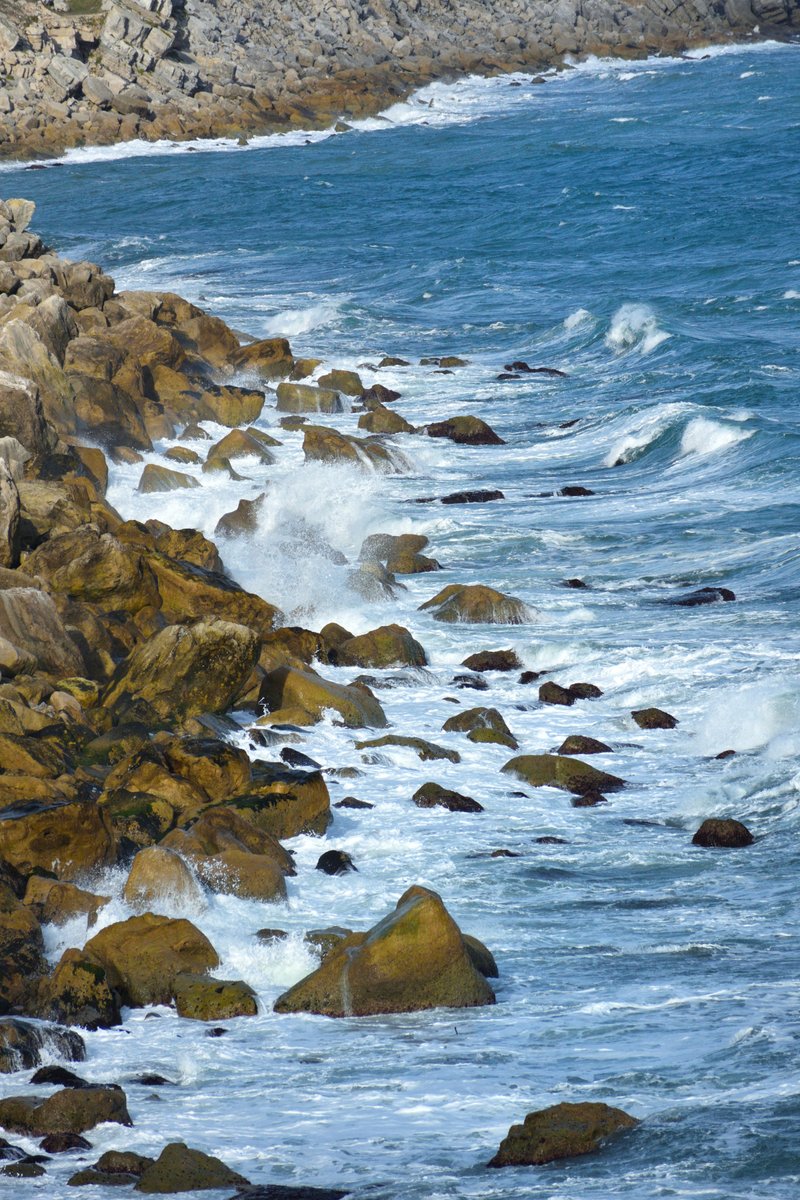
(414, 959)
(477, 604)
(179, 1169)
(400, 553)
(554, 693)
(243, 443)
(183, 671)
(9, 519)
(243, 519)
(189, 591)
(335, 862)
(561, 1131)
(23, 354)
(465, 431)
(288, 688)
(425, 751)
(22, 958)
(203, 999)
(585, 691)
(159, 879)
(30, 621)
(559, 771)
(432, 795)
(723, 832)
(493, 660)
(22, 1044)
(164, 479)
(321, 444)
(55, 903)
(388, 646)
(383, 420)
(68, 838)
(654, 718)
(97, 568)
(348, 382)
(284, 803)
(576, 743)
(143, 955)
(78, 993)
(22, 414)
(270, 358)
(481, 725)
(218, 769)
(72, 1110)
(304, 398)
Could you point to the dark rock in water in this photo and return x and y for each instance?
(61, 1143)
(335, 862)
(390, 360)
(548, 839)
(588, 800)
(480, 496)
(378, 395)
(506, 375)
(268, 936)
(530, 676)
(123, 1162)
(216, 1032)
(527, 370)
(574, 583)
(9, 1153)
(353, 802)
(89, 1177)
(59, 1076)
(503, 853)
(326, 940)
(432, 795)
(476, 682)
(493, 660)
(23, 1170)
(585, 691)
(574, 490)
(180, 1169)
(725, 754)
(723, 832)
(465, 431)
(576, 743)
(554, 693)
(296, 758)
(654, 718)
(562, 1131)
(426, 751)
(151, 1079)
(22, 1042)
(275, 1191)
(559, 771)
(568, 424)
(704, 595)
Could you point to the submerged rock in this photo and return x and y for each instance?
(723, 832)
(654, 718)
(23, 1042)
(426, 751)
(569, 774)
(433, 795)
(477, 604)
(335, 862)
(561, 1131)
(704, 595)
(414, 959)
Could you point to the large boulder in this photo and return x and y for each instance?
(233, 856)
(269, 358)
(321, 444)
(24, 354)
(55, 903)
(288, 688)
(22, 414)
(414, 959)
(29, 620)
(388, 646)
(560, 771)
(184, 671)
(97, 568)
(477, 604)
(562, 1131)
(188, 591)
(159, 879)
(71, 1110)
(723, 832)
(143, 955)
(9, 519)
(285, 802)
(22, 958)
(79, 993)
(179, 1169)
(303, 398)
(203, 999)
(465, 431)
(22, 1044)
(68, 838)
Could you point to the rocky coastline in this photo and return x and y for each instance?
(124, 645)
(98, 72)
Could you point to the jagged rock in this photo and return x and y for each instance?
(22, 1043)
(493, 660)
(164, 479)
(22, 414)
(9, 519)
(159, 878)
(284, 803)
(143, 955)
(90, 566)
(388, 646)
(569, 774)
(29, 620)
(183, 671)
(426, 751)
(287, 688)
(55, 903)
(243, 443)
(433, 795)
(723, 832)
(465, 431)
(414, 959)
(188, 591)
(179, 1169)
(562, 1131)
(654, 718)
(203, 999)
(243, 519)
(70, 839)
(270, 358)
(477, 604)
(72, 1110)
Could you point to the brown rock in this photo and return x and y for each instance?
(55, 903)
(554, 693)
(78, 993)
(285, 688)
(559, 771)
(163, 479)
(654, 718)
(475, 603)
(159, 879)
(493, 660)
(432, 795)
(562, 1131)
(72, 1110)
(70, 839)
(270, 358)
(465, 431)
(388, 646)
(143, 955)
(723, 832)
(202, 999)
(179, 1169)
(576, 743)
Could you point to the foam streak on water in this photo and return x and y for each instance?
(617, 223)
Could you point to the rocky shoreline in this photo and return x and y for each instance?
(98, 72)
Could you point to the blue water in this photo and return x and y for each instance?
(634, 225)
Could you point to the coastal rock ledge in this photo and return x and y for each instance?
(104, 71)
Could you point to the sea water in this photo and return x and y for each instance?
(634, 225)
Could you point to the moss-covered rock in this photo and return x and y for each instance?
(143, 955)
(79, 993)
(413, 959)
(284, 802)
(179, 1169)
(482, 725)
(383, 420)
(425, 751)
(493, 660)
(465, 431)
(560, 771)
(203, 999)
(70, 839)
(23, 1042)
(388, 646)
(321, 444)
(71, 1110)
(288, 688)
(577, 743)
(305, 398)
(477, 604)
(562, 1131)
(348, 382)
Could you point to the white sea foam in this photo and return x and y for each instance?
(293, 321)
(702, 436)
(634, 327)
(757, 716)
(581, 316)
(791, 295)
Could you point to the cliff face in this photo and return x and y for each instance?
(100, 71)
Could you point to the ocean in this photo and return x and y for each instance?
(633, 225)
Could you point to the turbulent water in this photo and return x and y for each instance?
(635, 226)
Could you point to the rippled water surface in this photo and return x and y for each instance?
(634, 226)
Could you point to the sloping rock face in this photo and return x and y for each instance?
(145, 68)
(562, 1131)
(415, 958)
